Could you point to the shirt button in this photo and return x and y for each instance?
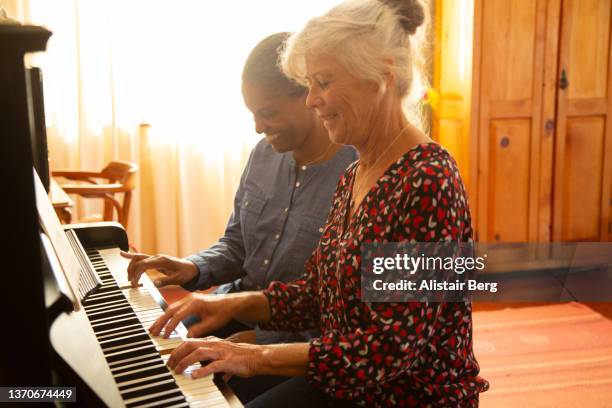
(286, 209)
(246, 203)
(266, 261)
(303, 168)
(277, 236)
(297, 184)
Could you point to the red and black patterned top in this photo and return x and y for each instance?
(386, 354)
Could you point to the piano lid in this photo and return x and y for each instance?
(70, 266)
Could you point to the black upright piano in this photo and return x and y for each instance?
(71, 317)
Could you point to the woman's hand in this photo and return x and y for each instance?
(178, 271)
(243, 360)
(214, 311)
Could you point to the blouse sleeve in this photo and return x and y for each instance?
(294, 306)
(397, 332)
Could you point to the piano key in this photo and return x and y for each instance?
(140, 364)
(114, 349)
(134, 353)
(119, 315)
(117, 323)
(142, 374)
(152, 397)
(165, 403)
(127, 378)
(150, 390)
(141, 380)
(102, 334)
(120, 363)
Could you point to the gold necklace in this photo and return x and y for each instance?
(357, 187)
(329, 146)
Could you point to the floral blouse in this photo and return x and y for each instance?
(385, 354)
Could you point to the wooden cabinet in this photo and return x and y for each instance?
(540, 138)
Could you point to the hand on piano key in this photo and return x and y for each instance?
(178, 271)
(224, 356)
(214, 311)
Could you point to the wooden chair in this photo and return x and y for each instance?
(120, 177)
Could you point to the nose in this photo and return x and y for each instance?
(313, 99)
(260, 126)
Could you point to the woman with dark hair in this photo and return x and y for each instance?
(280, 207)
(358, 63)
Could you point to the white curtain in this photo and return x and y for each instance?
(156, 83)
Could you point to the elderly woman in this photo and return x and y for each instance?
(357, 63)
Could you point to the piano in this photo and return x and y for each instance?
(83, 324)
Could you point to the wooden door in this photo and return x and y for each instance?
(583, 141)
(510, 45)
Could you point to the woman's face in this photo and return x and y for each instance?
(285, 120)
(345, 103)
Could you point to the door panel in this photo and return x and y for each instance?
(583, 165)
(508, 202)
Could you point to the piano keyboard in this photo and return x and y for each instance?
(120, 316)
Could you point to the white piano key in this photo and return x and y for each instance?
(146, 397)
(139, 380)
(164, 402)
(118, 363)
(149, 385)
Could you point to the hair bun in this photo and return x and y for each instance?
(410, 13)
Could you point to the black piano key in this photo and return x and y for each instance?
(105, 314)
(146, 381)
(103, 335)
(134, 365)
(91, 301)
(126, 362)
(150, 390)
(117, 334)
(134, 353)
(114, 318)
(109, 305)
(118, 345)
(143, 374)
(163, 397)
(116, 324)
(108, 338)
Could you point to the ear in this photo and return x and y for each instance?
(389, 72)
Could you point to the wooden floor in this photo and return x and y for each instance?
(603, 308)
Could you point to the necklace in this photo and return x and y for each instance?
(318, 158)
(358, 186)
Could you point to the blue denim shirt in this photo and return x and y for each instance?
(277, 221)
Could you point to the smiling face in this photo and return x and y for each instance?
(345, 103)
(285, 120)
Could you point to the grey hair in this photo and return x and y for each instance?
(364, 35)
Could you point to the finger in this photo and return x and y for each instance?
(163, 319)
(152, 262)
(201, 353)
(160, 262)
(186, 310)
(134, 259)
(185, 348)
(132, 255)
(219, 366)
